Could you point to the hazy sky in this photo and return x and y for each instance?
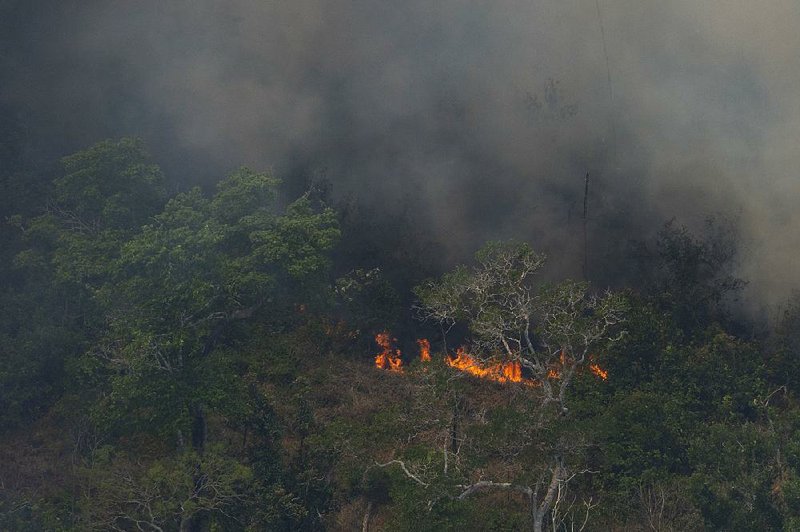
(482, 116)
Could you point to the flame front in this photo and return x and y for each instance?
(503, 372)
(498, 372)
(597, 370)
(389, 357)
(424, 350)
(600, 372)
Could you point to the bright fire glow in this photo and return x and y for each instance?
(389, 357)
(498, 371)
(600, 372)
(503, 372)
(424, 350)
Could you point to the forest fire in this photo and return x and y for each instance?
(600, 372)
(424, 349)
(498, 372)
(596, 369)
(503, 372)
(389, 357)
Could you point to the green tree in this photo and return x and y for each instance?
(156, 299)
(692, 276)
(179, 292)
(62, 250)
(183, 281)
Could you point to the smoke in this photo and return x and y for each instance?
(481, 118)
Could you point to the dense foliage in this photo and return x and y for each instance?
(203, 360)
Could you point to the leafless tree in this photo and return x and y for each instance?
(551, 331)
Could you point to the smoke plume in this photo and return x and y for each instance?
(480, 119)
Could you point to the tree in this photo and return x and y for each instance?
(551, 331)
(160, 295)
(59, 259)
(184, 280)
(692, 276)
(548, 330)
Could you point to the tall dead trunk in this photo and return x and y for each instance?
(367, 516)
(540, 509)
(538, 521)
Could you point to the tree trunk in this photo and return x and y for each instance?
(198, 428)
(538, 521)
(192, 523)
(196, 522)
(539, 510)
(367, 516)
(186, 524)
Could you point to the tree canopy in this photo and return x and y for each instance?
(209, 359)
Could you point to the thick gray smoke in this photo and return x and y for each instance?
(480, 117)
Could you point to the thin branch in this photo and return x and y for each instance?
(408, 473)
(481, 485)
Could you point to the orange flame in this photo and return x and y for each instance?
(600, 372)
(499, 372)
(596, 369)
(424, 350)
(503, 372)
(388, 358)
